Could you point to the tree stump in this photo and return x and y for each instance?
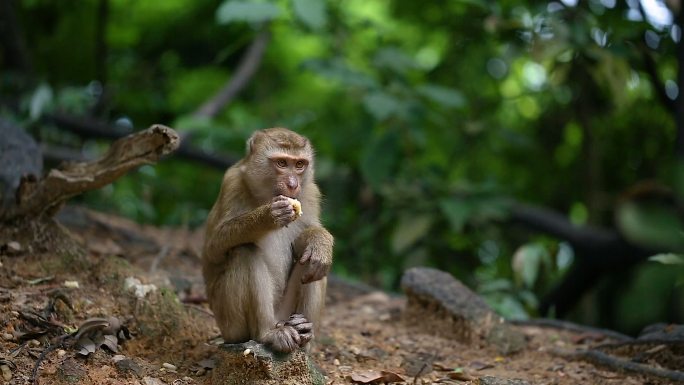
(251, 363)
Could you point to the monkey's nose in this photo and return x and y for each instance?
(292, 185)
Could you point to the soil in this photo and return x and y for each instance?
(169, 335)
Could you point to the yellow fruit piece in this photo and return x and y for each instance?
(297, 206)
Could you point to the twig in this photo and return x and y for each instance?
(565, 325)
(246, 69)
(161, 255)
(422, 368)
(60, 342)
(618, 364)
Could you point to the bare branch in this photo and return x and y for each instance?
(246, 69)
(621, 365)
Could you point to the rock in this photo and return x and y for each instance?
(20, 156)
(662, 331)
(152, 381)
(127, 365)
(489, 380)
(71, 371)
(6, 372)
(263, 367)
(436, 296)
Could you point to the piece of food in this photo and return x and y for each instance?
(297, 206)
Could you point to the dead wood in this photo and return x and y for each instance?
(619, 364)
(43, 197)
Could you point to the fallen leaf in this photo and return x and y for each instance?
(111, 342)
(442, 367)
(499, 359)
(87, 346)
(375, 377)
(460, 374)
(391, 377)
(367, 377)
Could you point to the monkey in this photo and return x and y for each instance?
(265, 266)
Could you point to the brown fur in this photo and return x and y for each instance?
(257, 253)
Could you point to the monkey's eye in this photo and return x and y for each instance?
(300, 164)
(282, 163)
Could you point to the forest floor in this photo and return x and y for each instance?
(42, 297)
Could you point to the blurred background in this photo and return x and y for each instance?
(533, 149)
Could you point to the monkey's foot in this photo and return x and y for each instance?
(303, 326)
(289, 335)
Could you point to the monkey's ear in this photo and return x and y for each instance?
(251, 142)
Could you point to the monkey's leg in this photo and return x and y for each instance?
(309, 309)
(282, 336)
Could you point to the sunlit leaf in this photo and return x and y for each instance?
(409, 229)
(527, 262)
(245, 11)
(668, 259)
(311, 12)
(41, 99)
(448, 97)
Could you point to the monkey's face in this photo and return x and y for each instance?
(289, 172)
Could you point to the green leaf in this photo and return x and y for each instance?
(447, 97)
(668, 259)
(457, 212)
(382, 105)
(311, 12)
(245, 11)
(527, 262)
(409, 230)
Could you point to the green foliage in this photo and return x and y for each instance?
(429, 119)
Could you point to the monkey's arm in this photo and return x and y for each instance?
(246, 228)
(314, 246)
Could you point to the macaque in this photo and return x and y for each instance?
(265, 258)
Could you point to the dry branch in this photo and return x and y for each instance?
(38, 197)
(246, 69)
(621, 365)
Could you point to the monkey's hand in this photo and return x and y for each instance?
(317, 256)
(282, 211)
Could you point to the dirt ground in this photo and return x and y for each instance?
(168, 335)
